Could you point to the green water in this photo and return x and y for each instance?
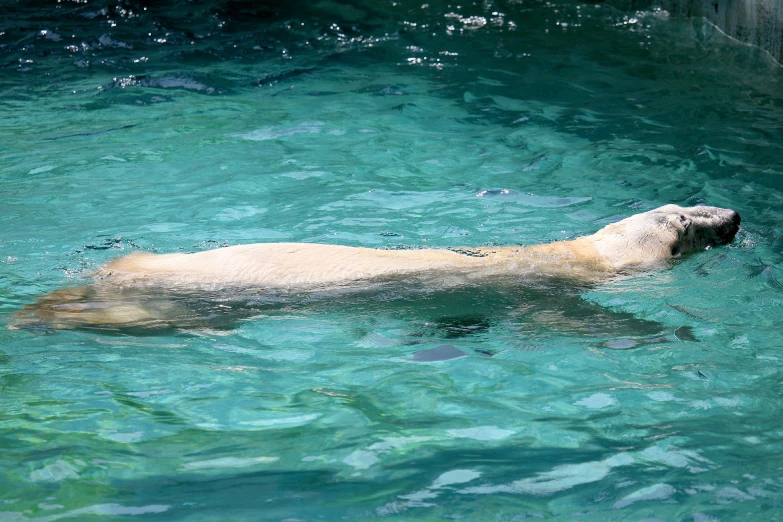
(390, 124)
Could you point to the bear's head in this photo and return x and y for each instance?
(649, 238)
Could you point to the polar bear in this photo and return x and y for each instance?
(640, 242)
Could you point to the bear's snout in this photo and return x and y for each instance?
(727, 232)
(731, 229)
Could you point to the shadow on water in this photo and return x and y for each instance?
(530, 309)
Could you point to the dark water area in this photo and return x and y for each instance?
(604, 74)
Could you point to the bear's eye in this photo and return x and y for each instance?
(685, 221)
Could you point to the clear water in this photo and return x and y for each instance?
(197, 125)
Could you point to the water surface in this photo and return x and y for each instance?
(390, 124)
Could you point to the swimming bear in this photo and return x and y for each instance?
(641, 242)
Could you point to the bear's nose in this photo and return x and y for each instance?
(728, 231)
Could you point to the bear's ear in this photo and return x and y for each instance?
(680, 223)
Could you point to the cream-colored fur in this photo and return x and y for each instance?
(639, 242)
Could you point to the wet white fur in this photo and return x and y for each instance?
(638, 242)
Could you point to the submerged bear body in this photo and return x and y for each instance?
(640, 242)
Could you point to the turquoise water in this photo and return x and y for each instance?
(390, 124)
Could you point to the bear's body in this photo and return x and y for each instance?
(303, 266)
(639, 242)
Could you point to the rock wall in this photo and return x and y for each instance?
(756, 22)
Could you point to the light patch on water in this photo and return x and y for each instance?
(50, 35)
(316, 458)
(127, 342)
(730, 495)
(662, 396)
(107, 41)
(262, 424)
(621, 344)
(55, 472)
(702, 517)
(558, 479)
(210, 426)
(164, 82)
(163, 227)
(418, 498)
(287, 355)
(11, 516)
(532, 200)
(457, 476)
(255, 234)
(45, 168)
(498, 169)
(597, 401)
(171, 82)
(661, 492)
(741, 341)
(758, 491)
(126, 438)
(567, 476)
(109, 510)
(45, 507)
(377, 340)
(700, 487)
(362, 221)
(365, 458)
(150, 393)
(233, 349)
(237, 213)
(391, 200)
(675, 457)
(481, 433)
(240, 369)
(272, 133)
(304, 174)
(361, 459)
(228, 462)
(545, 110)
(727, 402)
(283, 422)
(391, 443)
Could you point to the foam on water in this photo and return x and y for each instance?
(185, 127)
